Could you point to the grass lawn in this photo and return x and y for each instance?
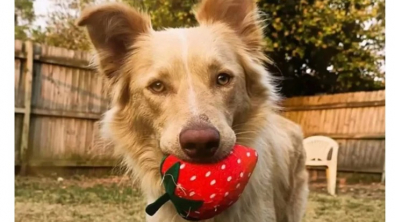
(113, 199)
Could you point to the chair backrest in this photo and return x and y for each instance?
(317, 150)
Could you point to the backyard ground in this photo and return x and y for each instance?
(110, 199)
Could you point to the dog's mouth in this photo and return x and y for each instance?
(216, 156)
(206, 160)
(200, 143)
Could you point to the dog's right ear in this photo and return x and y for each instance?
(241, 16)
(112, 29)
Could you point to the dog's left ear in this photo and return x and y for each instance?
(240, 15)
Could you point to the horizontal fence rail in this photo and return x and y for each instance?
(355, 120)
(59, 99)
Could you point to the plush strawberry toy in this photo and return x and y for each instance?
(201, 191)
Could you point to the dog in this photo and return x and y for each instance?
(194, 93)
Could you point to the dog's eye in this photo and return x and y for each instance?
(223, 79)
(157, 87)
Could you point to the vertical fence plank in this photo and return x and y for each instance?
(27, 104)
(64, 87)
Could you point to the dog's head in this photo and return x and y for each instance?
(185, 90)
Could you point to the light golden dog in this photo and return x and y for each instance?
(195, 92)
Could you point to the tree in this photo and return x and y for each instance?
(325, 46)
(167, 13)
(24, 17)
(317, 46)
(60, 29)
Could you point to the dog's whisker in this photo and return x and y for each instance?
(236, 127)
(246, 132)
(245, 138)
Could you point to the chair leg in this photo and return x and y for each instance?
(331, 173)
(328, 179)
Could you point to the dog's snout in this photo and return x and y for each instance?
(200, 142)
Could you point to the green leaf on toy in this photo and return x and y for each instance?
(170, 178)
(152, 208)
(186, 205)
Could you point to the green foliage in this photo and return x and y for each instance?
(317, 46)
(325, 46)
(60, 29)
(23, 16)
(167, 13)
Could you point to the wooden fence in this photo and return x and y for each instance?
(59, 98)
(355, 120)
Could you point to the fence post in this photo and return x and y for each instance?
(383, 174)
(27, 106)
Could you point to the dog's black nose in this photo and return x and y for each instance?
(200, 142)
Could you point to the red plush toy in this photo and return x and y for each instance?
(201, 191)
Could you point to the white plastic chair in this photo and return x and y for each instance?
(317, 150)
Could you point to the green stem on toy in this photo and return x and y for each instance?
(152, 208)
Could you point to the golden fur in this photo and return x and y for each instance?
(144, 125)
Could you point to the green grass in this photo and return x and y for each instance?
(111, 199)
(322, 207)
